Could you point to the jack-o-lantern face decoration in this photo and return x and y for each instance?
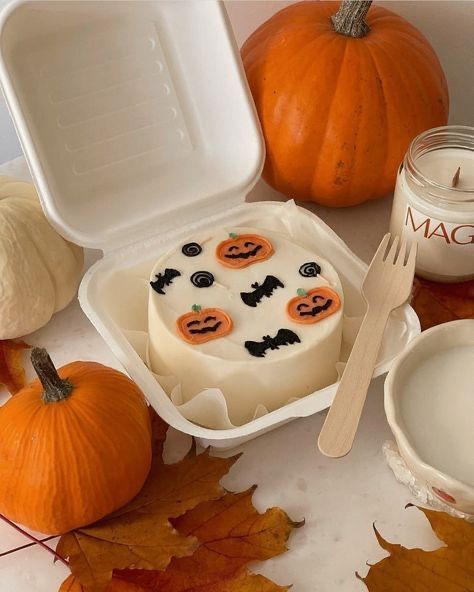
(313, 306)
(201, 325)
(242, 250)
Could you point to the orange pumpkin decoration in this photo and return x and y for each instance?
(201, 325)
(339, 99)
(313, 306)
(75, 445)
(242, 250)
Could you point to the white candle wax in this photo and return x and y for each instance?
(428, 210)
(440, 167)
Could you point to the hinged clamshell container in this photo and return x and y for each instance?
(138, 128)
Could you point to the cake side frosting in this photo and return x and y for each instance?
(220, 316)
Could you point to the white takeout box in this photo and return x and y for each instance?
(138, 127)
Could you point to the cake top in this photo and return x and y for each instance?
(243, 293)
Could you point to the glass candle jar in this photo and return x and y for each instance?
(434, 202)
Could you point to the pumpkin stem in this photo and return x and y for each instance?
(349, 19)
(55, 388)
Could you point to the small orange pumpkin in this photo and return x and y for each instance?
(313, 306)
(75, 445)
(241, 250)
(201, 325)
(340, 98)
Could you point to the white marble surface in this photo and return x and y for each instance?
(339, 499)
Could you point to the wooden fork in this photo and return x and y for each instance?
(386, 286)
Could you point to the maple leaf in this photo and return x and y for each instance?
(71, 584)
(140, 534)
(12, 373)
(244, 582)
(232, 533)
(159, 429)
(437, 303)
(447, 569)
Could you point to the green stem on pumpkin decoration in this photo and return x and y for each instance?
(55, 388)
(35, 540)
(349, 19)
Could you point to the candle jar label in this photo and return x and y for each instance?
(444, 248)
(433, 202)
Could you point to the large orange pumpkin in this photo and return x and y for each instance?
(339, 100)
(73, 447)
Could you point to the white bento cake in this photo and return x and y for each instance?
(246, 311)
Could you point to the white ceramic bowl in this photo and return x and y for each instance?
(430, 424)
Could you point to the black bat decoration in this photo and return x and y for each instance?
(283, 337)
(164, 279)
(270, 284)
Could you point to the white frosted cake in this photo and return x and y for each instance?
(249, 312)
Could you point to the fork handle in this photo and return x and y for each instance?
(339, 429)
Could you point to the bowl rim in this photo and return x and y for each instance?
(390, 397)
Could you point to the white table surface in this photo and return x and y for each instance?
(339, 499)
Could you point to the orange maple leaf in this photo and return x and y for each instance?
(243, 582)
(12, 373)
(140, 534)
(232, 533)
(447, 569)
(182, 510)
(437, 303)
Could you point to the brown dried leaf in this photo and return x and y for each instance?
(71, 584)
(12, 373)
(159, 429)
(232, 533)
(243, 582)
(448, 569)
(437, 303)
(140, 535)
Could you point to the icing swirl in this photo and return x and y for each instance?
(202, 279)
(191, 249)
(310, 269)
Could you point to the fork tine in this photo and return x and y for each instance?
(410, 264)
(382, 248)
(392, 254)
(400, 260)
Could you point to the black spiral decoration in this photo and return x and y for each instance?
(310, 269)
(191, 249)
(202, 279)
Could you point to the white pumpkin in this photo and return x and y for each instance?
(39, 270)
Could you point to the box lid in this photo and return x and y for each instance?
(135, 117)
